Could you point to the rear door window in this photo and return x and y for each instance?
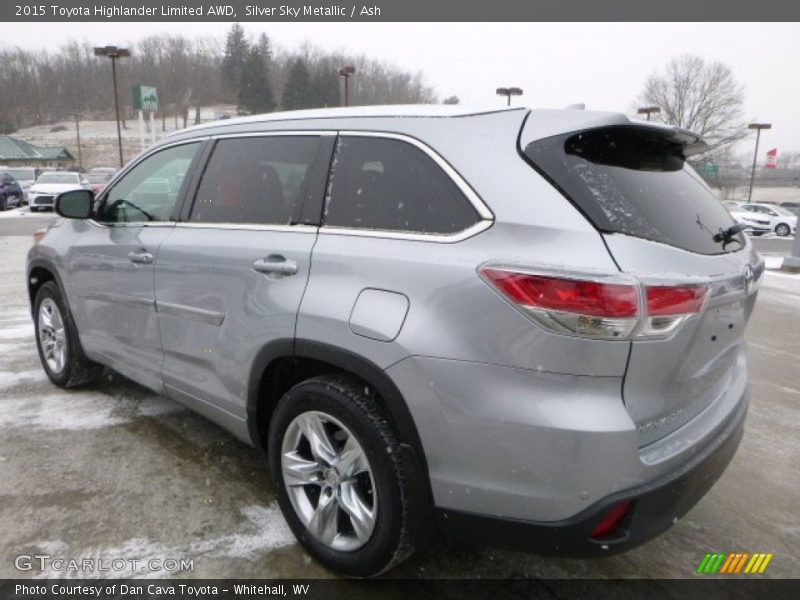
(390, 185)
(255, 180)
(635, 181)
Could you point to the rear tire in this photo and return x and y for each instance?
(60, 350)
(350, 417)
(783, 229)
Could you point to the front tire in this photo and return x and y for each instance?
(340, 476)
(60, 350)
(783, 229)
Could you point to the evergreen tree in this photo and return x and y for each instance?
(325, 84)
(298, 92)
(255, 90)
(451, 100)
(265, 47)
(236, 54)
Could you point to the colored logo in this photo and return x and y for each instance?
(737, 562)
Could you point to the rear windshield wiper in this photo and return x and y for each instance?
(726, 236)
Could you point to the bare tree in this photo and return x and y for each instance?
(701, 96)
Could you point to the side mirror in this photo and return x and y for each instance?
(75, 204)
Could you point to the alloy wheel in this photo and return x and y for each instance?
(329, 481)
(52, 335)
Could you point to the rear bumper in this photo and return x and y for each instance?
(656, 506)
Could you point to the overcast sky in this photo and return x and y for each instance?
(603, 65)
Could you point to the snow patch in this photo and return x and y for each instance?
(9, 380)
(263, 531)
(773, 262)
(77, 411)
(16, 332)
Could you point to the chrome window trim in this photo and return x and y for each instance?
(484, 212)
(249, 227)
(278, 133)
(133, 223)
(439, 238)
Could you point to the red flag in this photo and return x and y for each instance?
(772, 158)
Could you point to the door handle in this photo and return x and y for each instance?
(275, 264)
(141, 258)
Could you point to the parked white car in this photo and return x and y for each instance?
(765, 218)
(42, 194)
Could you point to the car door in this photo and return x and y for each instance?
(111, 265)
(230, 277)
(764, 213)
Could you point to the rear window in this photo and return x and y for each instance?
(635, 181)
(58, 178)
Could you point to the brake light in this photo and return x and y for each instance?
(571, 295)
(599, 306)
(669, 306)
(675, 300)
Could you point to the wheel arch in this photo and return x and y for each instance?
(281, 364)
(38, 273)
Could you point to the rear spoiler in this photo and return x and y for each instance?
(544, 123)
(692, 142)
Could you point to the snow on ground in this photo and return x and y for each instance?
(263, 529)
(99, 138)
(768, 194)
(24, 212)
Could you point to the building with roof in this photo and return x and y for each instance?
(18, 153)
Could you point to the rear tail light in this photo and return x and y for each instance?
(597, 306)
(669, 306)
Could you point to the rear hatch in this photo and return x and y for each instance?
(664, 226)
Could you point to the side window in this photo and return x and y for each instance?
(255, 180)
(391, 185)
(148, 192)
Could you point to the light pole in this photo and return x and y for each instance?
(78, 136)
(508, 92)
(346, 72)
(649, 110)
(758, 127)
(113, 52)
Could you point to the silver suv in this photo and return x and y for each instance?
(516, 327)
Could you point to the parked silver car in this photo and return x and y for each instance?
(517, 327)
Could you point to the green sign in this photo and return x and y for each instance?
(708, 171)
(145, 97)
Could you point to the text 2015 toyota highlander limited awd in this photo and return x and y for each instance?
(522, 327)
